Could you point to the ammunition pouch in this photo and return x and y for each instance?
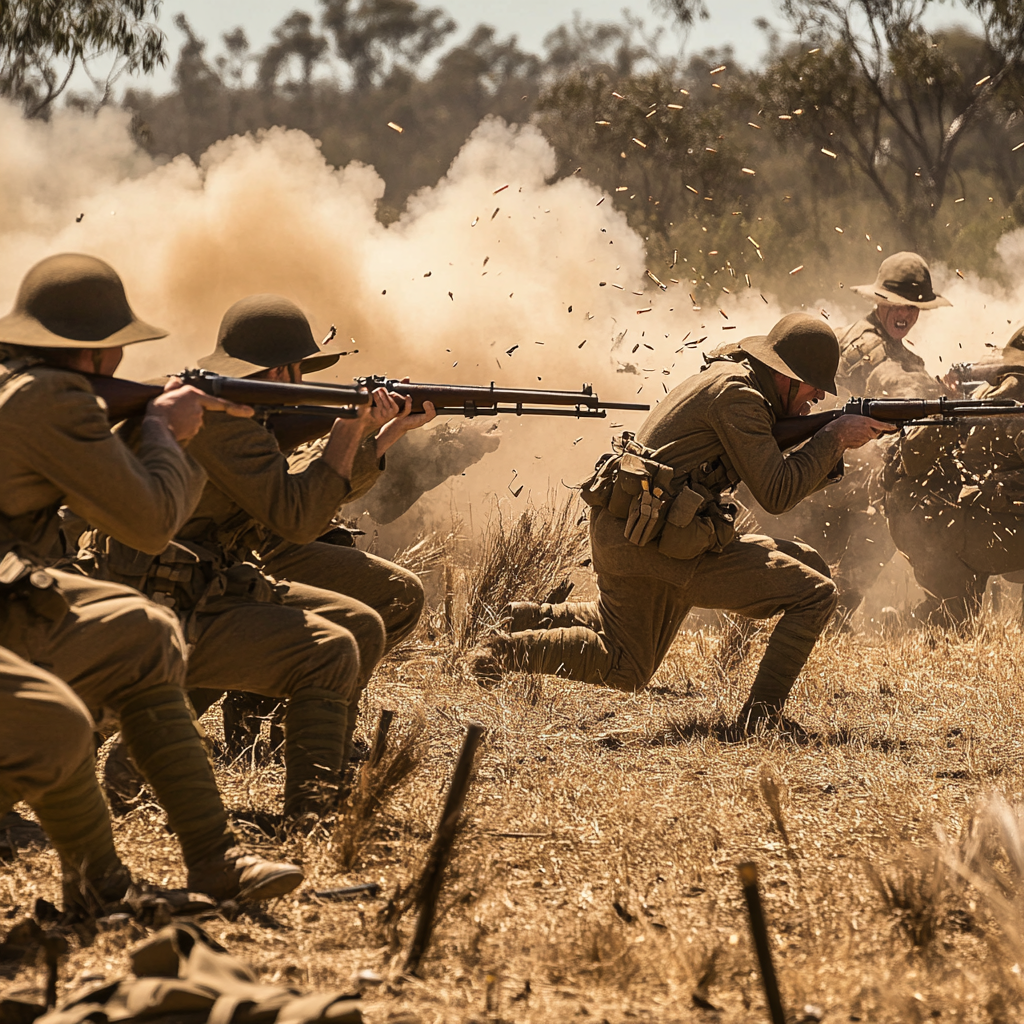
(697, 523)
(687, 520)
(185, 577)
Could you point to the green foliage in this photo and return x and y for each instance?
(869, 135)
(42, 42)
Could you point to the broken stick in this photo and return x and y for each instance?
(441, 847)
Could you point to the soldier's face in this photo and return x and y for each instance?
(898, 321)
(805, 397)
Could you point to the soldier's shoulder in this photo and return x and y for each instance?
(40, 382)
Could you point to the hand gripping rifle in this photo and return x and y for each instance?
(970, 376)
(275, 403)
(900, 412)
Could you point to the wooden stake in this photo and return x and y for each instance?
(380, 741)
(748, 879)
(441, 847)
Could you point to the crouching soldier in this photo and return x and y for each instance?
(120, 653)
(662, 536)
(297, 635)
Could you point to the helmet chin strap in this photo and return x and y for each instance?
(794, 387)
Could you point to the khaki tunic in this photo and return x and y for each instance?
(111, 644)
(866, 349)
(725, 413)
(272, 636)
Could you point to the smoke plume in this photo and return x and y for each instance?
(495, 273)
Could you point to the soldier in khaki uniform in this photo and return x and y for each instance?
(120, 653)
(955, 501)
(46, 759)
(278, 632)
(845, 522)
(661, 534)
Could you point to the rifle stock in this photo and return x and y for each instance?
(900, 412)
(125, 398)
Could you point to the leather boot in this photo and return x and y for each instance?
(247, 878)
(164, 741)
(317, 733)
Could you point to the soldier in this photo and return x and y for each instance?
(280, 633)
(662, 537)
(955, 501)
(845, 523)
(120, 653)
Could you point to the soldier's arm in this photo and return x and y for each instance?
(744, 426)
(141, 498)
(244, 461)
(366, 466)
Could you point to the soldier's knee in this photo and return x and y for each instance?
(147, 640)
(369, 626)
(412, 596)
(335, 661)
(810, 557)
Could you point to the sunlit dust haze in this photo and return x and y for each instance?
(492, 274)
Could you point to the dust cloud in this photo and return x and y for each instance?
(495, 273)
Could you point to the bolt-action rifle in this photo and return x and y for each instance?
(459, 400)
(970, 376)
(297, 413)
(125, 398)
(900, 412)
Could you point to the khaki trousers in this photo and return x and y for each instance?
(645, 596)
(394, 593)
(277, 649)
(112, 646)
(45, 732)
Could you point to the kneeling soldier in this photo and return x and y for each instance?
(119, 652)
(285, 636)
(662, 536)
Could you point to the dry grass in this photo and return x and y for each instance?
(596, 876)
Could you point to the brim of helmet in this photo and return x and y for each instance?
(21, 329)
(873, 291)
(759, 347)
(231, 366)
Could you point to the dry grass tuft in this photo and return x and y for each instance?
(914, 892)
(376, 783)
(522, 559)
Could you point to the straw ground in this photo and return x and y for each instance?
(595, 878)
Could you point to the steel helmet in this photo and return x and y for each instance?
(800, 346)
(904, 280)
(73, 301)
(263, 331)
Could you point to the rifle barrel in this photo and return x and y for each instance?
(473, 400)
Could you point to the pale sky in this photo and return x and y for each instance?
(529, 20)
(731, 22)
